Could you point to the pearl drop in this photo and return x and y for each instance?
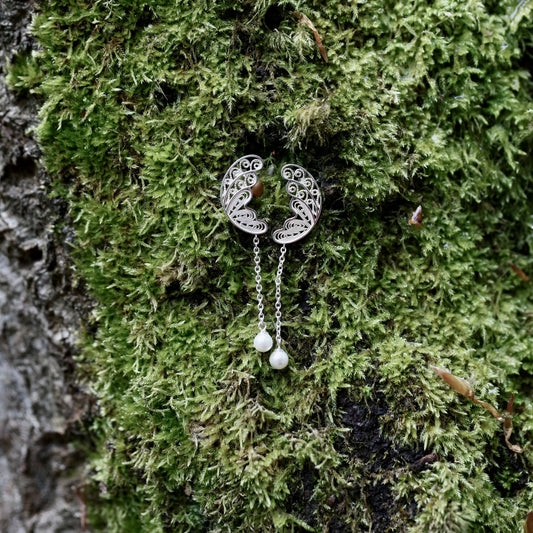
(279, 359)
(263, 341)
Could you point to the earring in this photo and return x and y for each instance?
(238, 187)
(306, 204)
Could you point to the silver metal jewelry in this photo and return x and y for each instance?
(306, 204)
(263, 340)
(279, 358)
(235, 194)
(278, 294)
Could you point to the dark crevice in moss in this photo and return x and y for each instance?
(380, 459)
(167, 95)
(365, 439)
(506, 469)
(231, 12)
(304, 298)
(265, 142)
(301, 502)
(146, 17)
(275, 14)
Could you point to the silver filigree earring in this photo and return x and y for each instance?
(238, 187)
(306, 204)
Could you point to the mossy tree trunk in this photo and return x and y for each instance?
(146, 104)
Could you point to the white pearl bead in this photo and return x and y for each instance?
(263, 341)
(279, 359)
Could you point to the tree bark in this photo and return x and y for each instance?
(40, 405)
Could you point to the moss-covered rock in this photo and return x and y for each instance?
(431, 103)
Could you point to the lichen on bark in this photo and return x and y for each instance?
(420, 103)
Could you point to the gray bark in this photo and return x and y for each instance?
(42, 410)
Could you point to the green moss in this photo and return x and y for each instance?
(145, 106)
(23, 73)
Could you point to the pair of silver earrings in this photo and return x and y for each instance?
(239, 185)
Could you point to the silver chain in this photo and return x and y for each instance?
(278, 294)
(258, 286)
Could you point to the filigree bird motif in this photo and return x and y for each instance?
(306, 204)
(236, 193)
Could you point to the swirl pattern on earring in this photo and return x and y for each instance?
(306, 204)
(236, 193)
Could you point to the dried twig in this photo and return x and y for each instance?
(519, 272)
(464, 388)
(421, 463)
(508, 426)
(528, 526)
(305, 20)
